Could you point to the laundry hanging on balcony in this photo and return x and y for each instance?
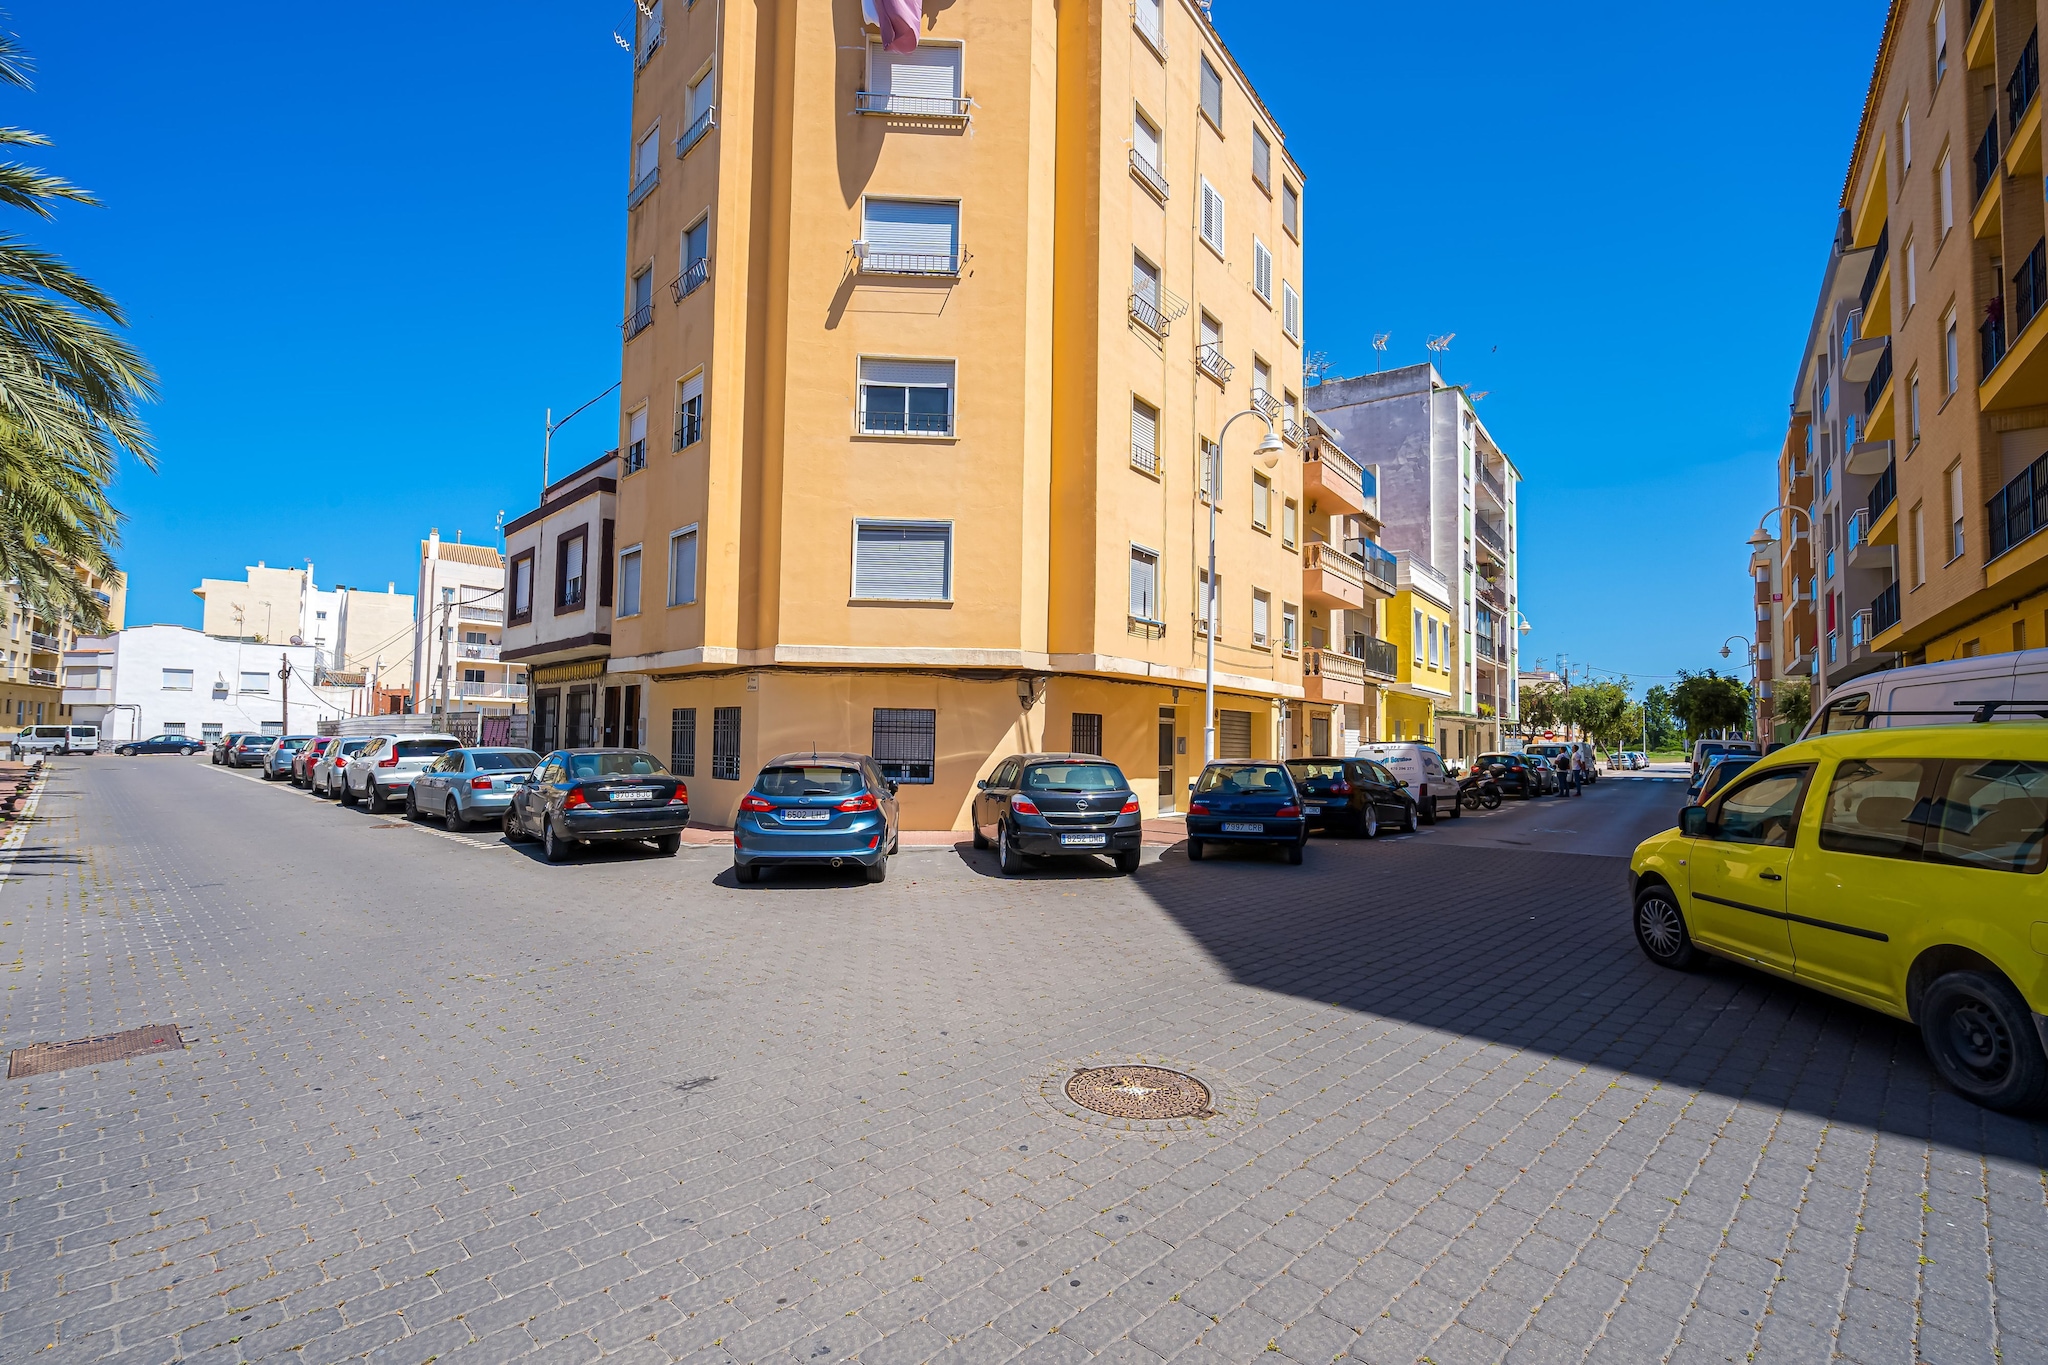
(897, 19)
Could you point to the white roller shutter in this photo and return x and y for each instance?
(910, 227)
(1145, 138)
(902, 561)
(927, 374)
(1234, 734)
(1144, 585)
(1260, 607)
(932, 72)
(693, 387)
(1144, 435)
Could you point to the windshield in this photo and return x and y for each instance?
(1074, 777)
(811, 779)
(627, 764)
(1244, 779)
(425, 748)
(503, 760)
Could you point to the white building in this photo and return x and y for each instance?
(353, 629)
(154, 680)
(561, 608)
(458, 638)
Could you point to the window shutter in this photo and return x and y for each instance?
(1290, 312)
(1259, 610)
(1145, 138)
(1145, 280)
(1262, 269)
(911, 228)
(693, 387)
(650, 156)
(1212, 93)
(910, 373)
(932, 72)
(636, 427)
(1234, 734)
(1212, 215)
(1262, 158)
(1212, 331)
(682, 568)
(903, 562)
(1144, 585)
(1262, 502)
(1144, 434)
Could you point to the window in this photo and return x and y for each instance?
(696, 263)
(1290, 210)
(1290, 627)
(699, 110)
(912, 397)
(905, 744)
(1262, 270)
(177, 680)
(1262, 605)
(1906, 137)
(1940, 43)
(1288, 513)
(1290, 311)
(1208, 605)
(1145, 142)
(1262, 382)
(1144, 585)
(1212, 216)
(642, 316)
(1144, 436)
(910, 237)
(1762, 811)
(636, 440)
(1145, 292)
(255, 681)
(1146, 15)
(1946, 190)
(1212, 93)
(472, 675)
(650, 30)
(171, 727)
(682, 741)
(1951, 370)
(1912, 411)
(1912, 256)
(647, 157)
(1416, 637)
(1262, 161)
(522, 585)
(1955, 510)
(923, 81)
(629, 582)
(570, 553)
(682, 567)
(1870, 806)
(1992, 816)
(1087, 733)
(1434, 656)
(903, 561)
(1919, 533)
(690, 411)
(725, 743)
(210, 731)
(1262, 501)
(1211, 461)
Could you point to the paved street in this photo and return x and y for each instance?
(445, 1100)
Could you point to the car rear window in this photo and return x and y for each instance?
(1507, 760)
(616, 765)
(1249, 779)
(810, 779)
(1994, 815)
(503, 760)
(354, 746)
(258, 741)
(425, 748)
(1074, 777)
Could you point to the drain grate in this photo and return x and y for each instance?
(39, 1058)
(1140, 1092)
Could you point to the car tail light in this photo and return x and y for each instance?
(865, 801)
(574, 799)
(1198, 808)
(751, 802)
(682, 796)
(1023, 805)
(1340, 789)
(479, 784)
(1287, 812)
(1130, 807)
(389, 760)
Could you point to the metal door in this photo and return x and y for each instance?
(611, 718)
(1167, 795)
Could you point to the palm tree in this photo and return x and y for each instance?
(69, 389)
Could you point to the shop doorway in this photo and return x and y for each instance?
(1168, 798)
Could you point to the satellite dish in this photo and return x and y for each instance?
(298, 640)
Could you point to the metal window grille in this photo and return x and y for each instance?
(905, 743)
(725, 743)
(682, 741)
(1087, 732)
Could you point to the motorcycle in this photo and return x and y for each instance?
(1480, 789)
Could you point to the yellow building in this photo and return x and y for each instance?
(1420, 627)
(31, 690)
(925, 357)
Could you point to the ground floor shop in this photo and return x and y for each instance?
(936, 734)
(576, 704)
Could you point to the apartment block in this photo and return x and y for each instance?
(1447, 499)
(31, 684)
(351, 630)
(561, 592)
(1919, 436)
(458, 633)
(928, 360)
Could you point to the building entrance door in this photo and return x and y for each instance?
(1168, 801)
(629, 728)
(1319, 736)
(611, 718)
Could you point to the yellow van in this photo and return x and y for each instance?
(1899, 868)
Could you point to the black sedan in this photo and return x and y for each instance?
(1246, 803)
(584, 796)
(1352, 796)
(1517, 774)
(161, 744)
(1058, 805)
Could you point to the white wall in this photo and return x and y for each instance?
(131, 700)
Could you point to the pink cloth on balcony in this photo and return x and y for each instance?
(898, 20)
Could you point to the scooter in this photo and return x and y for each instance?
(1478, 790)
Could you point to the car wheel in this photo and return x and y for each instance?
(1408, 819)
(412, 807)
(1457, 810)
(980, 839)
(348, 795)
(746, 872)
(668, 845)
(451, 814)
(1007, 858)
(509, 823)
(555, 848)
(1980, 1036)
(1194, 850)
(1660, 929)
(1428, 807)
(379, 802)
(878, 870)
(1127, 862)
(1294, 855)
(1369, 827)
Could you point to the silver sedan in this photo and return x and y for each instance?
(465, 786)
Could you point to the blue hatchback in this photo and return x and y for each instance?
(816, 810)
(1246, 803)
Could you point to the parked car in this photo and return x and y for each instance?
(1548, 779)
(1422, 768)
(278, 762)
(1355, 796)
(309, 754)
(1057, 805)
(581, 796)
(1706, 750)
(1901, 869)
(161, 744)
(323, 775)
(223, 743)
(1718, 773)
(816, 810)
(1515, 773)
(382, 773)
(1953, 691)
(56, 739)
(465, 786)
(1556, 753)
(249, 751)
(1239, 802)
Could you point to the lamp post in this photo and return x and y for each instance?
(547, 445)
(1755, 707)
(1268, 451)
(1760, 538)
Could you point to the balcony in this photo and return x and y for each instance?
(1148, 175)
(1209, 360)
(2024, 83)
(1330, 578)
(1884, 611)
(44, 643)
(871, 262)
(1879, 378)
(1879, 259)
(1482, 645)
(643, 187)
(2030, 287)
(1382, 570)
(43, 677)
(1490, 538)
(693, 278)
(1292, 432)
(1493, 488)
(469, 611)
(102, 598)
(1146, 313)
(491, 652)
(1328, 676)
(952, 107)
(1331, 478)
(1884, 497)
(699, 126)
(1266, 403)
(1859, 629)
(1868, 457)
(2020, 509)
(490, 691)
(638, 321)
(1380, 657)
(1986, 162)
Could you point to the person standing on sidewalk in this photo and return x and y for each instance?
(1572, 775)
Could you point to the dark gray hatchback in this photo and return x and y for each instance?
(1058, 805)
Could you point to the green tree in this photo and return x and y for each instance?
(1794, 698)
(1604, 712)
(69, 389)
(1705, 702)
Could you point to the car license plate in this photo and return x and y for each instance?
(798, 817)
(1084, 840)
(1242, 827)
(1311, 810)
(632, 794)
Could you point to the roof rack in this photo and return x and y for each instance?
(1985, 711)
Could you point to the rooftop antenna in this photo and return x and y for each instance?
(1315, 366)
(1379, 346)
(1440, 344)
(1479, 395)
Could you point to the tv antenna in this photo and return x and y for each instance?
(1379, 346)
(1440, 344)
(1315, 366)
(1479, 395)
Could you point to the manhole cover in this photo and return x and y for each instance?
(1139, 1092)
(39, 1058)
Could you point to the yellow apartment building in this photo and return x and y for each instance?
(31, 655)
(927, 358)
(1420, 627)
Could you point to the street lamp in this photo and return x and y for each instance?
(1760, 538)
(1268, 452)
(547, 446)
(1755, 709)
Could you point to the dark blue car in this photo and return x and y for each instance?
(816, 810)
(161, 744)
(1246, 803)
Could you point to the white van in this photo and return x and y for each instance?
(57, 739)
(1422, 769)
(1951, 692)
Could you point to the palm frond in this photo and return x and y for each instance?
(14, 63)
(25, 187)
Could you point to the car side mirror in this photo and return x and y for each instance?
(892, 788)
(1692, 822)
(982, 785)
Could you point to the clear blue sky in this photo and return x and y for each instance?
(366, 245)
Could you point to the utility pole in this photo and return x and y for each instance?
(284, 691)
(447, 617)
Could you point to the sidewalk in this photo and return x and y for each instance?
(1162, 831)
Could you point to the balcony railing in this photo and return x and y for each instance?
(1379, 656)
(699, 126)
(102, 598)
(1884, 610)
(691, 280)
(1885, 491)
(643, 187)
(1991, 337)
(639, 320)
(1336, 466)
(1879, 377)
(689, 426)
(1320, 554)
(40, 640)
(470, 612)
(1859, 628)
(43, 677)
(482, 651)
(1859, 527)
(1483, 646)
(1328, 663)
(1987, 157)
(2025, 81)
(2019, 509)
(896, 422)
(1877, 260)
(1148, 175)
(874, 262)
(1266, 403)
(910, 106)
(1493, 486)
(1490, 538)
(1380, 565)
(636, 457)
(1147, 314)
(491, 691)
(1292, 432)
(1148, 30)
(2030, 287)
(1209, 359)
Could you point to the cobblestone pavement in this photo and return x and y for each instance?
(445, 1100)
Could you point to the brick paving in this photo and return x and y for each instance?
(444, 1100)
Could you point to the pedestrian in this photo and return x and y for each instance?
(1573, 774)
